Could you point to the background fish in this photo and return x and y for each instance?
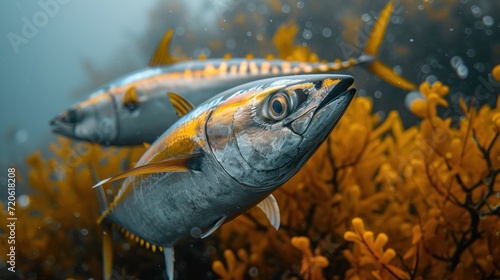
(223, 158)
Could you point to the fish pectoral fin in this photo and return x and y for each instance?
(270, 207)
(107, 252)
(177, 164)
(181, 105)
(162, 53)
(214, 227)
(130, 100)
(168, 252)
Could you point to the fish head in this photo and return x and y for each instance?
(93, 119)
(263, 134)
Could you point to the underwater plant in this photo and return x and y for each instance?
(376, 201)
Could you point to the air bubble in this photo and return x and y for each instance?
(21, 136)
(366, 17)
(476, 10)
(253, 272)
(327, 32)
(195, 232)
(471, 53)
(286, 9)
(84, 232)
(425, 68)
(488, 21)
(456, 61)
(377, 94)
(230, 44)
(307, 34)
(249, 34)
(462, 71)
(23, 200)
(300, 4)
(468, 31)
(411, 97)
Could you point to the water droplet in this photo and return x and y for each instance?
(109, 192)
(488, 21)
(411, 97)
(230, 44)
(476, 10)
(452, 29)
(21, 136)
(366, 17)
(431, 79)
(462, 71)
(286, 8)
(253, 272)
(456, 61)
(259, 37)
(180, 30)
(478, 25)
(249, 34)
(300, 4)
(471, 53)
(309, 24)
(307, 34)
(84, 232)
(397, 69)
(425, 68)
(23, 200)
(411, 40)
(420, 7)
(468, 31)
(195, 232)
(377, 94)
(327, 32)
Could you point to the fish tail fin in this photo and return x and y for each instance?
(107, 240)
(369, 58)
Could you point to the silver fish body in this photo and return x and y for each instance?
(107, 118)
(226, 156)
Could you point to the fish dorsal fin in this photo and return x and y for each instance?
(181, 105)
(270, 207)
(162, 53)
(146, 145)
(377, 34)
(177, 164)
(214, 227)
(130, 100)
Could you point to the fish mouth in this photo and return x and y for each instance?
(64, 123)
(341, 90)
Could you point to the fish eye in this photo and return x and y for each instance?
(278, 106)
(131, 106)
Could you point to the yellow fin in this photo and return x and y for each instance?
(386, 73)
(107, 252)
(378, 32)
(130, 99)
(146, 145)
(181, 105)
(178, 164)
(162, 55)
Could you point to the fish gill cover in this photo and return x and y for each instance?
(377, 201)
